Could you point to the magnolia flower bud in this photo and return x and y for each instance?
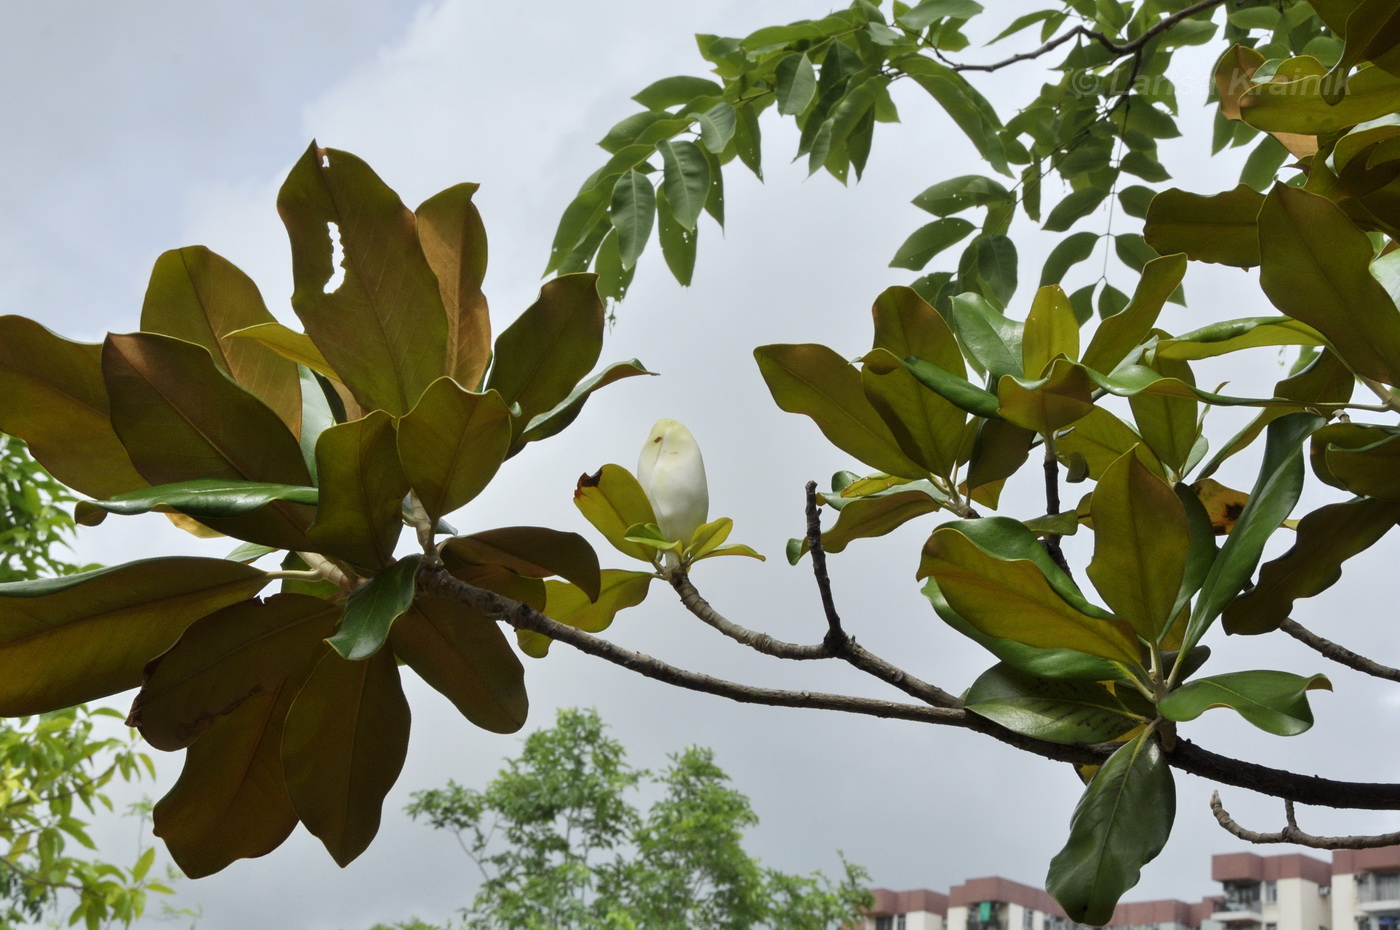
(672, 475)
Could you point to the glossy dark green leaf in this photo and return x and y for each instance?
(1050, 403)
(1275, 702)
(542, 356)
(960, 392)
(1101, 437)
(382, 326)
(928, 240)
(1233, 335)
(1073, 208)
(571, 606)
(343, 746)
(359, 518)
(999, 449)
(987, 336)
(451, 444)
(1325, 539)
(1275, 492)
(1120, 824)
(202, 498)
(1055, 709)
(1294, 102)
(1221, 228)
(532, 551)
(79, 637)
(868, 517)
(1316, 268)
(815, 381)
(1050, 331)
(454, 243)
(465, 657)
(226, 658)
(201, 297)
(989, 264)
(551, 422)
(678, 244)
(372, 608)
(1364, 463)
(1170, 425)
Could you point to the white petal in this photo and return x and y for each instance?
(672, 475)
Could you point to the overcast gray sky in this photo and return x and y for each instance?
(137, 127)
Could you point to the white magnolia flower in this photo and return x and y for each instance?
(672, 475)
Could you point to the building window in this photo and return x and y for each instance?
(884, 923)
(1241, 896)
(1028, 919)
(1271, 927)
(1271, 892)
(899, 922)
(1378, 886)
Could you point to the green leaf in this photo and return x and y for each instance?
(372, 608)
(551, 422)
(928, 240)
(1275, 493)
(927, 427)
(1070, 251)
(569, 605)
(612, 500)
(1055, 709)
(226, 658)
(383, 328)
(466, 658)
(1050, 403)
(343, 747)
(1234, 335)
(1050, 331)
(79, 637)
(1325, 539)
(359, 518)
(1042, 663)
(1101, 438)
(796, 83)
(678, 244)
(957, 194)
(673, 91)
(321, 408)
(924, 14)
(632, 211)
(994, 574)
(968, 108)
(1363, 462)
(1120, 824)
(451, 444)
(1275, 702)
(718, 125)
(686, 180)
(201, 297)
(289, 344)
(1316, 268)
(542, 356)
(1221, 228)
(1169, 424)
(53, 397)
(987, 336)
(815, 381)
(1140, 546)
(868, 517)
(182, 419)
(532, 551)
(454, 243)
(1120, 334)
(1073, 208)
(989, 264)
(201, 498)
(1294, 102)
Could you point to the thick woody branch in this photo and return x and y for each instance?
(1291, 834)
(1339, 654)
(835, 635)
(1305, 789)
(1117, 48)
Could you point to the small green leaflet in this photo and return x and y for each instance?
(372, 608)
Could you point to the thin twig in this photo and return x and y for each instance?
(1052, 504)
(1291, 834)
(1339, 654)
(1118, 49)
(835, 636)
(694, 602)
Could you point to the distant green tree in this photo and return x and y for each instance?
(52, 766)
(561, 844)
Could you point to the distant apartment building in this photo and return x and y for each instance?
(1358, 890)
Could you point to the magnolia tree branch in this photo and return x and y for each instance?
(1186, 756)
(1291, 834)
(692, 600)
(1117, 48)
(835, 636)
(1339, 654)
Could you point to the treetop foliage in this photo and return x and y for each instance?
(393, 408)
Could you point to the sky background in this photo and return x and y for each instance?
(135, 128)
